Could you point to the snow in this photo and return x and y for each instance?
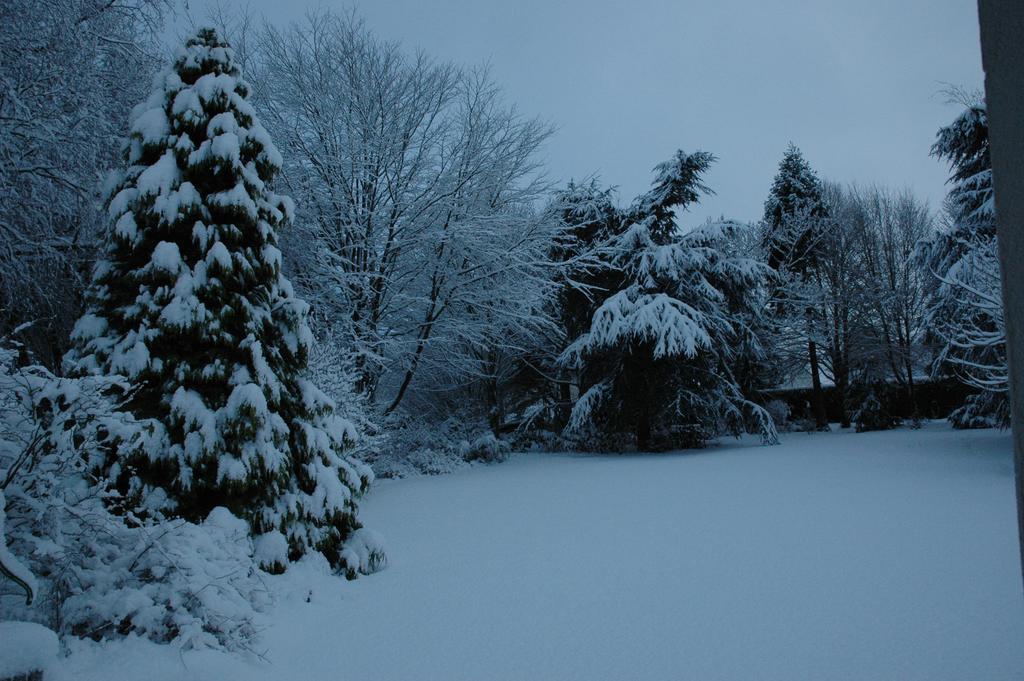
(130, 357)
(10, 567)
(224, 122)
(126, 228)
(166, 256)
(89, 326)
(271, 548)
(121, 201)
(159, 178)
(151, 125)
(888, 555)
(194, 578)
(675, 327)
(225, 146)
(363, 548)
(174, 203)
(198, 420)
(183, 310)
(26, 647)
(236, 197)
(259, 136)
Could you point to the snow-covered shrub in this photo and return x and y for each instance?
(872, 415)
(364, 553)
(682, 436)
(415, 445)
(27, 650)
(12, 568)
(486, 447)
(538, 440)
(916, 420)
(539, 429)
(394, 463)
(195, 584)
(592, 439)
(803, 424)
(779, 412)
(982, 410)
(103, 574)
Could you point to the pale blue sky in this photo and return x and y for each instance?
(854, 83)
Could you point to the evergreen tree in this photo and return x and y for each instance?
(190, 304)
(790, 213)
(795, 218)
(966, 310)
(964, 145)
(593, 218)
(660, 349)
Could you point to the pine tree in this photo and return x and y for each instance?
(190, 304)
(793, 204)
(659, 349)
(794, 219)
(964, 145)
(966, 310)
(592, 219)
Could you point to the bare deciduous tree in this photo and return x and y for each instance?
(70, 73)
(417, 235)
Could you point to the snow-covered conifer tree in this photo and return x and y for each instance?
(190, 304)
(796, 192)
(966, 310)
(659, 350)
(592, 219)
(794, 229)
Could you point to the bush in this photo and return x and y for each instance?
(803, 424)
(197, 585)
(691, 436)
(486, 448)
(415, 445)
(780, 412)
(934, 399)
(982, 410)
(872, 415)
(102, 570)
(591, 439)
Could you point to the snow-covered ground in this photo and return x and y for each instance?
(833, 556)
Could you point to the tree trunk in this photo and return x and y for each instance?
(643, 410)
(840, 363)
(911, 392)
(842, 387)
(643, 428)
(817, 399)
(495, 414)
(564, 408)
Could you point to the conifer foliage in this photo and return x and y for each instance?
(657, 359)
(791, 214)
(966, 308)
(190, 304)
(795, 226)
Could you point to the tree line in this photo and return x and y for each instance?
(315, 246)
